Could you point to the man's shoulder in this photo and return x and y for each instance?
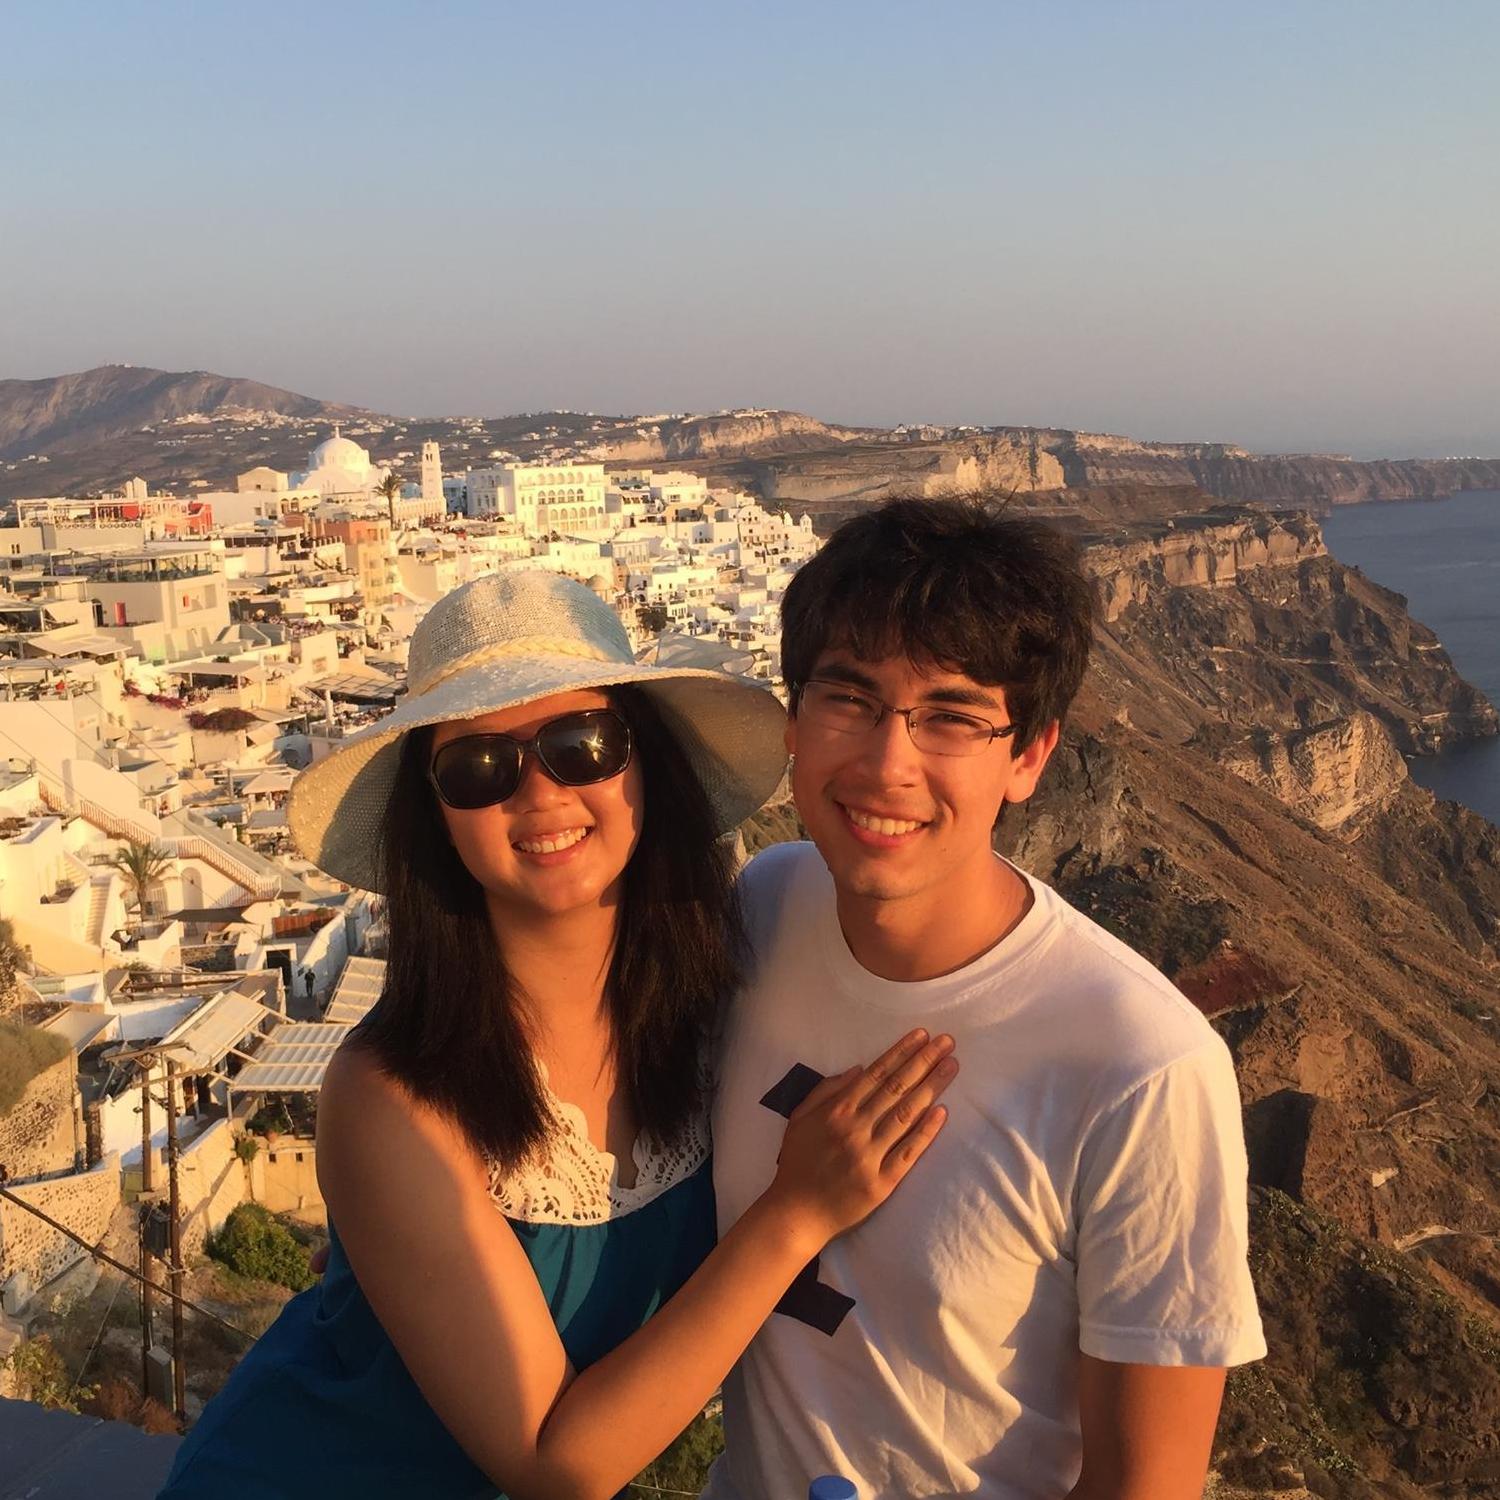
(779, 862)
(1119, 1005)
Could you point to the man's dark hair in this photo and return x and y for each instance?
(954, 584)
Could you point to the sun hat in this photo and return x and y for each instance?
(507, 639)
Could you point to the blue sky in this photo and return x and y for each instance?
(1273, 224)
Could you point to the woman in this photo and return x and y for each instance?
(544, 816)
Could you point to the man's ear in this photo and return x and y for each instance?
(1027, 767)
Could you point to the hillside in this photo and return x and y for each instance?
(68, 413)
(182, 431)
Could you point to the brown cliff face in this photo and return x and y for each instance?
(1312, 480)
(727, 435)
(1030, 461)
(1335, 775)
(1210, 550)
(1343, 929)
(1250, 622)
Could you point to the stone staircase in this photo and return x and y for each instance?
(254, 874)
(99, 889)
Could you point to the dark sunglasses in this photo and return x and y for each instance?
(574, 750)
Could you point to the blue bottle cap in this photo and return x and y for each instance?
(832, 1487)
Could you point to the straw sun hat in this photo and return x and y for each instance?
(507, 639)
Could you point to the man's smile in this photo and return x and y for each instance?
(872, 826)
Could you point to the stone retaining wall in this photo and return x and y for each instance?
(84, 1201)
(211, 1183)
(43, 1131)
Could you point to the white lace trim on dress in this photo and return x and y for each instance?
(570, 1181)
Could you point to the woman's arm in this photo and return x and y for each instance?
(452, 1287)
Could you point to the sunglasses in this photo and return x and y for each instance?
(579, 749)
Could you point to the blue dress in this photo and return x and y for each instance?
(322, 1406)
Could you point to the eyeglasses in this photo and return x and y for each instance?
(937, 731)
(574, 750)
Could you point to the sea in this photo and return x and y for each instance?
(1444, 555)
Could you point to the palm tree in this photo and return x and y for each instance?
(390, 487)
(140, 866)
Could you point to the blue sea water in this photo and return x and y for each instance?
(1444, 555)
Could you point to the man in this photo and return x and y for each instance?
(1048, 1305)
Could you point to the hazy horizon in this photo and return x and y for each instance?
(1272, 228)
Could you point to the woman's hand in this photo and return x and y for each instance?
(852, 1140)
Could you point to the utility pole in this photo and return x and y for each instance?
(179, 1373)
(146, 1125)
(143, 1206)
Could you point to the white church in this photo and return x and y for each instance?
(337, 469)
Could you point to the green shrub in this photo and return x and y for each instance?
(25, 1051)
(39, 1374)
(255, 1244)
(272, 1115)
(683, 1468)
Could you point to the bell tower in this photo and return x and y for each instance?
(432, 482)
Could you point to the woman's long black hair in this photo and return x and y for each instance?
(450, 1024)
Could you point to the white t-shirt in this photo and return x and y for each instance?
(1087, 1193)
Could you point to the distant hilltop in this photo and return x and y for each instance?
(180, 431)
(67, 413)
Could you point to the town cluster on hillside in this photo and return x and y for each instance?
(173, 977)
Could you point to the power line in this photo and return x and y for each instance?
(129, 1271)
(103, 1324)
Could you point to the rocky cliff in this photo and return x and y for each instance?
(1335, 774)
(725, 435)
(1032, 460)
(1242, 617)
(1302, 479)
(1230, 798)
(1207, 550)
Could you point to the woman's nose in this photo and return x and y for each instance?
(535, 788)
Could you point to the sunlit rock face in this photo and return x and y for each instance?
(1242, 619)
(1210, 551)
(1333, 774)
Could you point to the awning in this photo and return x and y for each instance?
(358, 989)
(209, 916)
(89, 645)
(358, 687)
(201, 1042)
(707, 652)
(265, 783)
(40, 665)
(77, 1026)
(250, 671)
(292, 1061)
